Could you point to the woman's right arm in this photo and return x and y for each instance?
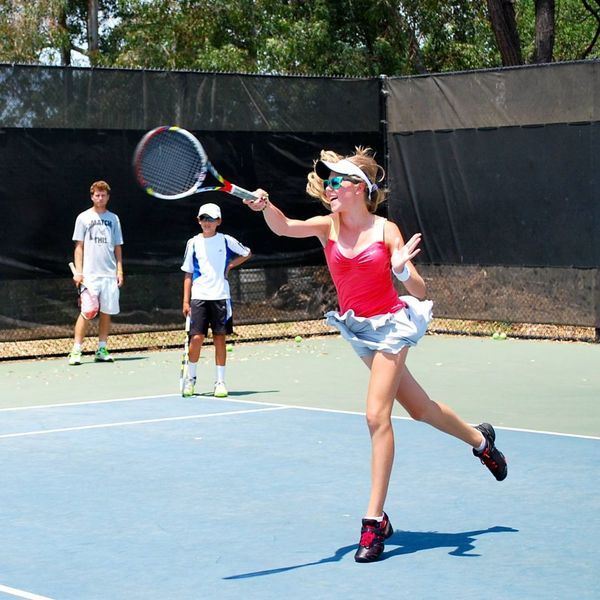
(281, 225)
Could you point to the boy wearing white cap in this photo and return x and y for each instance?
(209, 256)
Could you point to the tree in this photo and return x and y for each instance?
(25, 30)
(544, 31)
(593, 8)
(92, 31)
(50, 30)
(504, 26)
(326, 37)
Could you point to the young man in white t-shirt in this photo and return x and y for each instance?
(209, 256)
(98, 262)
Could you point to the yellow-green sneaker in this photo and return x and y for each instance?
(220, 390)
(188, 387)
(102, 355)
(75, 357)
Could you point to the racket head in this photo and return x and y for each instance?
(169, 163)
(88, 304)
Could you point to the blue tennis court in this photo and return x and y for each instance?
(163, 497)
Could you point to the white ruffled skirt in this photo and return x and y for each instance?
(384, 333)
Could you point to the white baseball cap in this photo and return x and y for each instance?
(210, 209)
(343, 167)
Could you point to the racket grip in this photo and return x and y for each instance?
(188, 322)
(242, 193)
(73, 269)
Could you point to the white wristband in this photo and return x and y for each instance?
(404, 275)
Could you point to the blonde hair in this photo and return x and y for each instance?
(364, 159)
(99, 186)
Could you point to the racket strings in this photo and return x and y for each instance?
(171, 164)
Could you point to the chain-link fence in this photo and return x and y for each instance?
(272, 303)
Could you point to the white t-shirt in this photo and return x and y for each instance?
(207, 259)
(100, 233)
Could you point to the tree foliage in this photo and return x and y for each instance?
(326, 37)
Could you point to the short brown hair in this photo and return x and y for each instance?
(100, 186)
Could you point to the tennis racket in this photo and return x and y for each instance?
(80, 287)
(170, 163)
(185, 358)
(88, 304)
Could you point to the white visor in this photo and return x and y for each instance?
(343, 167)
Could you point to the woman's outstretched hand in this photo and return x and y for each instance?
(402, 254)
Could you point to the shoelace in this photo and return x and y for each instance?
(487, 460)
(367, 536)
(371, 533)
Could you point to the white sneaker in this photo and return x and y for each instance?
(75, 357)
(220, 390)
(188, 387)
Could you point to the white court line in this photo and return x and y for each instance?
(85, 402)
(399, 418)
(21, 593)
(140, 422)
(273, 404)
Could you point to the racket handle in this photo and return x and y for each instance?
(242, 193)
(188, 322)
(73, 269)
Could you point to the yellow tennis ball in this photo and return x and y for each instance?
(298, 339)
(229, 347)
(496, 335)
(502, 335)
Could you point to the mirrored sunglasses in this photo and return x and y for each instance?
(335, 183)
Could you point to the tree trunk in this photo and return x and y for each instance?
(544, 31)
(65, 47)
(92, 26)
(504, 26)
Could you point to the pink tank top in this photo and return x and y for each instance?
(363, 283)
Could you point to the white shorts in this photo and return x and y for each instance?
(104, 292)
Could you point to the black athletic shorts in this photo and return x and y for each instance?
(211, 313)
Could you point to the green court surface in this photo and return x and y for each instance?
(524, 384)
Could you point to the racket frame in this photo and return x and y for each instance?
(185, 359)
(207, 166)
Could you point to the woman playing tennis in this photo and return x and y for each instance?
(363, 251)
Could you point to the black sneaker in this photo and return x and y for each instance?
(372, 535)
(491, 457)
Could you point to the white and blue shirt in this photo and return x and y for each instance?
(206, 258)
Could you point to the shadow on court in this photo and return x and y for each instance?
(237, 394)
(406, 542)
(88, 361)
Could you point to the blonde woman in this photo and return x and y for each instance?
(364, 252)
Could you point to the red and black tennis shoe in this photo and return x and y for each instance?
(372, 536)
(490, 456)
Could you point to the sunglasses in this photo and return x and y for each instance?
(335, 183)
(207, 218)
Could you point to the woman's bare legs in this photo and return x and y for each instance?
(386, 371)
(420, 407)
